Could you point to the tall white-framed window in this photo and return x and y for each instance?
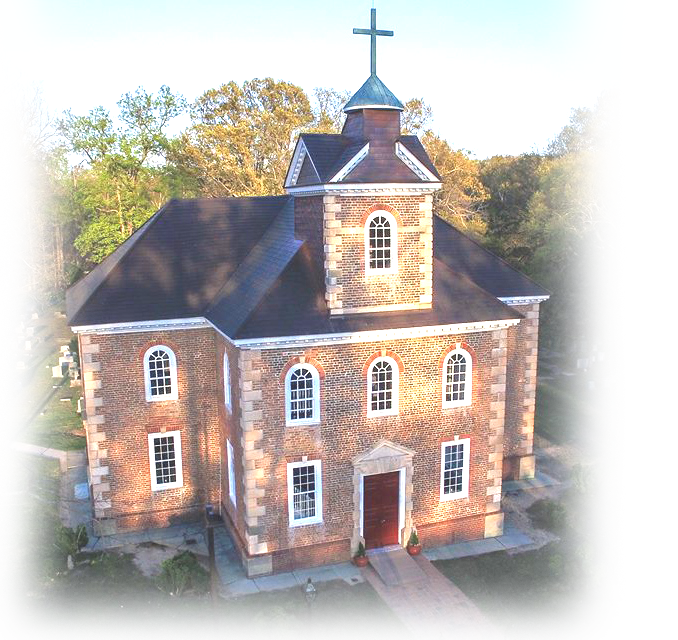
(304, 492)
(164, 451)
(457, 379)
(454, 468)
(381, 243)
(227, 382)
(302, 395)
(231, 471)
(160, 374)
(382, 387)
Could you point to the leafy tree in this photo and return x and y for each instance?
(328, 112)
(120, 181)
(596, 129)
(462, 195)
(241, 138)
(416, 117)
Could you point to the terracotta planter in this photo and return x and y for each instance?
(360, 561)
(414, 549)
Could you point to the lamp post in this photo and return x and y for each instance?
(211, 519)
(310, 593)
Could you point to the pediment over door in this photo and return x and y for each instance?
(384, 449)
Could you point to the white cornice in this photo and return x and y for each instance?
(516, 300)
(366, 189)
(413, 164)
(351, 164)
(142, 326)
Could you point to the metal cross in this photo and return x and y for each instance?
(373, 32)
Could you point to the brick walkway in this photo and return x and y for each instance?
(433, 604)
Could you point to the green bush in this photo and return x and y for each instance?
(586, 479)
(70, 541)
(579, 573)
(279, 622)
(557, 514)
(414, 538)
(361, 550)
(183, 573)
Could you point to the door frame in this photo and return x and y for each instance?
(401, 500)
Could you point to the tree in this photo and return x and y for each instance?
(462, 195)
(596, 129)
(241, 138)
(328, 112)
(415, 117)
(119, 182)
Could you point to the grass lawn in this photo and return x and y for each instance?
(572, 425)
(37, 414)
(111, 598)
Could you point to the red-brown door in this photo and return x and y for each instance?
(381, 494)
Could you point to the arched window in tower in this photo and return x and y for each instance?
(457, 379)
(382, 387)
(160, 374)
(302, 395)
(381, 243)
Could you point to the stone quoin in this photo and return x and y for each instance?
(267, 355)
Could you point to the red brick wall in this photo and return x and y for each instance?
(127, 418)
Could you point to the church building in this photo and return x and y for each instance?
(333, 365)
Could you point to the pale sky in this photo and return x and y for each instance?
(501, 77)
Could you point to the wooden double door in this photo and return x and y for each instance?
(381, 499)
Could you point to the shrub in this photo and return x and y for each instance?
(580, 573)
(360, 553)
(414, 538)
(586, 479)
(557, 514)
(183, 573)
(70, 541)
(279, 622)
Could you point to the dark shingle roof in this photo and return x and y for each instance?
(487, 270)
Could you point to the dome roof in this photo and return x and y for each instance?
(374, 94)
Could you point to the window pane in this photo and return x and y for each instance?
(453, 467)
(381, 390)
(455, 378)
(379, 243)
(159, 372)
(304, 492)
(301, 394)
(165, 460)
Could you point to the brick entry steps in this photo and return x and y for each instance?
(430, 604)
(395, 566)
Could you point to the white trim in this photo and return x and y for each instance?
(393, 411)
(401, 501)
(316, 395)
(174, 394)
(143, 325)
(227, 382)
(468, 380)
(515, 300)
(367, 189)
(176, 435)
(231, 472)
(413, 163)
(464, 472)
(372, 106)
(393, 225)
(372, 336)
(295, 165)
(351, 164)
(318, 517)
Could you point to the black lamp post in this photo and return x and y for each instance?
(310, 594)
(211, 519)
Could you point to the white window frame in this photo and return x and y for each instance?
(316, 395)
(231, 472)
(227, 382)
(464, 472)
(394, 244)
(468, 389)
(176, 435)
(173, 374)
(318, 517)
(393, 411)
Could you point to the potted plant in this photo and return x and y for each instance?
(360, 558)
(413, 544)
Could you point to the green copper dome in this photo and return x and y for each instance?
(374, 94)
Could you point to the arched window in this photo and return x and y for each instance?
(227, 382)
(160, 374)
(382, 387)
(381, 243)
(302, 395)
(457, 391)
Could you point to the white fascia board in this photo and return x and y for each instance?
(372, 336)
(143, 326)
(366, 189)
(295, 166)
(351, 164)
(406, 156)
(516, 300)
